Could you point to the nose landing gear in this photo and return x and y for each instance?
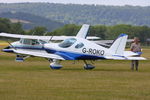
(55, 64)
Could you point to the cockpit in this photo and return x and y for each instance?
(67, 43)
(32, 41)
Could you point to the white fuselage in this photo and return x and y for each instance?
(78, 49)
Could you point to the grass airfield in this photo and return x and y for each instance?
(110, 80)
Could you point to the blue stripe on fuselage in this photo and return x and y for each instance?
(66, 55)
(74, 56)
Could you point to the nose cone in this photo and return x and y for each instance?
(8, 49)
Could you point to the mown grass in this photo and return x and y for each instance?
(110, 80)
(3, 43)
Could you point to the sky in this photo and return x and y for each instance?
(100, 2)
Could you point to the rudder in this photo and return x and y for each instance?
(119, 44)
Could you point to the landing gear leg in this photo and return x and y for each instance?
(55, 64)
(88, 66)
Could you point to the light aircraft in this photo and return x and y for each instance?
(72, 48)
(83, 29)
(36, 42)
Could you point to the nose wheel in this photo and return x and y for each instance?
(88, 66)
(55, 64)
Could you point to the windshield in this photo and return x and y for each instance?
(67, 43)
(42, 41)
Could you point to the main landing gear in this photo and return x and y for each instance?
(55, 64)
(21, 58)
(88, 66)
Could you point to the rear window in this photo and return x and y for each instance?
(79, 45)
(67, 43)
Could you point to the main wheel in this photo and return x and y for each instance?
(88, 66)
(55, 66)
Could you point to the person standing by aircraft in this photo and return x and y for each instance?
(135, 47)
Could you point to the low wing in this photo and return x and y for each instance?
(38, 54)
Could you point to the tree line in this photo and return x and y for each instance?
(79, 14)
(102, 31)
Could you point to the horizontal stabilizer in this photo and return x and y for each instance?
(129, 53)
(124, 58)
(136, 58)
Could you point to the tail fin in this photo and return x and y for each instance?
(83, 31)
(119, 44)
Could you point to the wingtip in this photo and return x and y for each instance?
(122, 34)
(86, 25)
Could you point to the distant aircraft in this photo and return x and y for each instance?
(72, 48)
(36, 42)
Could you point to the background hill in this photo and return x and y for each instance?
(79, 14)
(29, 21)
